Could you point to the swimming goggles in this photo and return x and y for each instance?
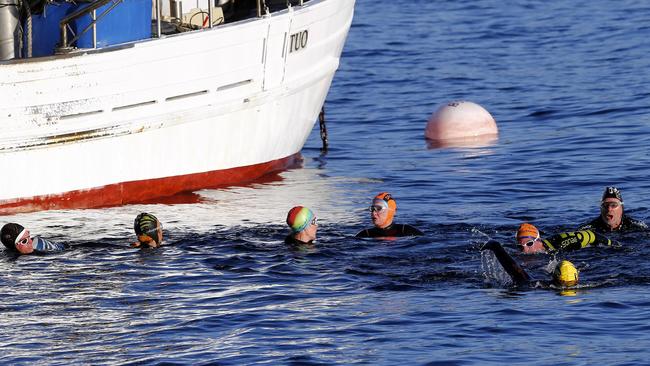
(22, 238)
(376, 208)
(530, 242)
(612, 205)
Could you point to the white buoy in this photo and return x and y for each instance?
(461, 121)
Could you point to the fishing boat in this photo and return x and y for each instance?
(111, 102)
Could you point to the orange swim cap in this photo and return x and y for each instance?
(392, 207)
(528, 231)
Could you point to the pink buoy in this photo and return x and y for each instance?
(460, 122)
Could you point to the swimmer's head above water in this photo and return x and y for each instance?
(16, 238)
(565, 274)
(148, 230)
(611, 207)
(303, 224)
(529, 240)
(382, 210)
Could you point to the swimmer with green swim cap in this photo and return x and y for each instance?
(565, 274)
(303, 224)
(148, 230)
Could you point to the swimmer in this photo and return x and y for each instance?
(530, 242)
(148, 230)
(612, 218)
(16, 238)
(382, 212)
(303, 224)
(565, 273)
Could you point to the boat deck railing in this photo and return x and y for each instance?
(90, 9)
(66, 44)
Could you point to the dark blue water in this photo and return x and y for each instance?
(567, 83)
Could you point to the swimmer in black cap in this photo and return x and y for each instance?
(16, 238)
(565, 273)
(382, 211)
(612, 218)
(149, 231)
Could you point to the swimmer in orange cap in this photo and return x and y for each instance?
(612, 218)
(530, 241)
(565, 274)
(382, 212)
(17, 239)
(303, 224)
(148, 230)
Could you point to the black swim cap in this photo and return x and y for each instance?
(612, 192)
(9, 233)
(146, 224)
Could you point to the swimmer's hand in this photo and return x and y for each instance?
(491, 245)
(147, 244)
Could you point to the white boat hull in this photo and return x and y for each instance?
(149, 119)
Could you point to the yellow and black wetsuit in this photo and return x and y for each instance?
(575, 240)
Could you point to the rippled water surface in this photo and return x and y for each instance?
(567, 83)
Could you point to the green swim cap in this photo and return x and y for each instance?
(146, 224)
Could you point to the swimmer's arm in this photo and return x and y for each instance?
(363, 234)
(46, 246)
(516, 272)
(600, 240)
(571, 240)
(639, 225)
(412, 231)
(550, 246)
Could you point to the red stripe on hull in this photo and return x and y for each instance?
(146, 191)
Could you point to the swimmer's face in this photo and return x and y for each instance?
(611, 211)
(530, 245)
(24, 243)
(379, 214)
(147, 241)
(310, 231)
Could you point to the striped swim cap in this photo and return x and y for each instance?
(146, 224)
(299, 218)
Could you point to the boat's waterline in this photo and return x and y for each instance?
(144, 190)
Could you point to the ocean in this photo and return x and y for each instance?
(567, 83)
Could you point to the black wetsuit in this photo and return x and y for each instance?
(393, 230)
(575, 240)
(519, 275)
(627, 224)
(293, 241)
